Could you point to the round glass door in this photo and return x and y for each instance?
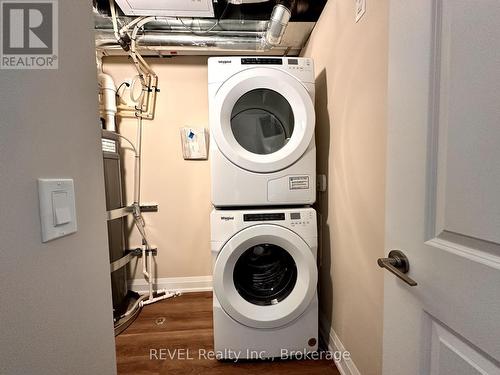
(265, 274)
(262, 121)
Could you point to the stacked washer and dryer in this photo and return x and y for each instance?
(263, 231)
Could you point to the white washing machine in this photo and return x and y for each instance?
(262, 122)
(265, 278)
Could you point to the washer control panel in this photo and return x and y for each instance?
(294, 217)
(224, 223)
(264, 217)
(299, 64)
(301, 218)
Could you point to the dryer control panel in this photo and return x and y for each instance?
(261, 61)
(221, 68)
(294, 64)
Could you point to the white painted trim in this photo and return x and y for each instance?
(330, 338)
(180, 284)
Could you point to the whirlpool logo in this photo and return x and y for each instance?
(29, 37)
(227, 218)
(224, 61)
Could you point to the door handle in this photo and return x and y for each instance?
(398, 264)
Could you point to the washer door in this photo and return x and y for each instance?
(265, 276)
(262, 119)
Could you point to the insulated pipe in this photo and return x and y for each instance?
(154, 39)
(108, 98)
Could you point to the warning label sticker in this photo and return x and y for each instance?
(108, 145)
(298, 182)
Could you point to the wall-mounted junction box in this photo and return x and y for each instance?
(194, 143)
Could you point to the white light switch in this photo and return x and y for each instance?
(57, 208)
(60, 207)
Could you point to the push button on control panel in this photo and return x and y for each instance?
(298, 218)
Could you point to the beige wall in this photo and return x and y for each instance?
(55, 312)
(351, 63)
(180, 229)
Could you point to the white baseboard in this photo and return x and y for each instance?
(329, 337)
(180, 284)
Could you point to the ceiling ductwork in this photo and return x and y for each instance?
(167, 8)
(238, 27)
(276, 27)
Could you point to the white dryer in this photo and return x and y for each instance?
(264, 278)
(262, 122)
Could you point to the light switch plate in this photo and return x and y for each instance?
(360, 9)
(57, 208)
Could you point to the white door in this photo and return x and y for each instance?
(443, 187)
(265, 276)
(262, 119)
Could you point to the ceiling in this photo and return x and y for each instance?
(235, 29)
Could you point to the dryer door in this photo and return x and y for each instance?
(265, 276)
(262, 119)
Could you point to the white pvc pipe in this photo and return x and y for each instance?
(108, 97)
(151, 273)
(144, 269)
(132, 23)
(137, 170)
(139, 221)
(113, 18)
(136, 57)
(160, 298)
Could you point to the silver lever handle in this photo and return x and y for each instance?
(398, 264)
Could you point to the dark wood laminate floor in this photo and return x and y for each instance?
(187, 325)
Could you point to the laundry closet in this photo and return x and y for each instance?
(225, 179)
(260, 145)
(211, 177)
